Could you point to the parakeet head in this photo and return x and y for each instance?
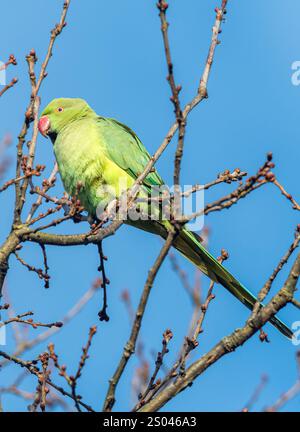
(59, 113)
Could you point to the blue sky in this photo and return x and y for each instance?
(113, 57)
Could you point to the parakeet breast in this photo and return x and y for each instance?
(84, 166)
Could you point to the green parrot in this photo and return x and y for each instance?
(97, 152)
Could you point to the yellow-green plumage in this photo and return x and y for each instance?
(87, 164)
(94, 151)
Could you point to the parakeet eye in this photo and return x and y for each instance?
(60, 109)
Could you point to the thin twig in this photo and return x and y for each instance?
(256, 394)
(131, 344)
(31, 268)
(81, 365)
(167, 336)
(267, 286)
(296, 206)
(8, 86)
(31, 114)
(163, 6)
(103, 314)
(47, 184)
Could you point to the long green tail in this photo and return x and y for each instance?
(190, 246)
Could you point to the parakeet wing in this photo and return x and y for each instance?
(126, 150)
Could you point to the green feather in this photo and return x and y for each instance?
(126, 150)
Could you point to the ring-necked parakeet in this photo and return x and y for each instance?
(95, 151)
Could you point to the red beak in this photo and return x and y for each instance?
(44, 125)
